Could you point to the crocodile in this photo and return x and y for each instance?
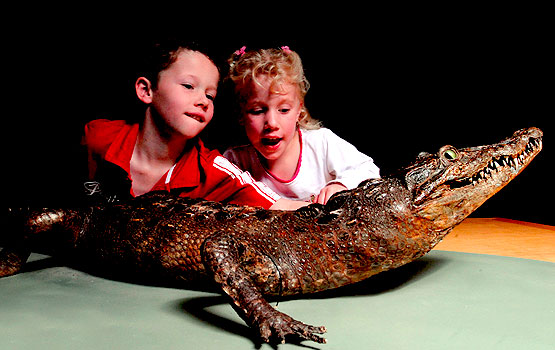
(251, 254)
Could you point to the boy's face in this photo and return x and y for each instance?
(184, 95)
(270, 117)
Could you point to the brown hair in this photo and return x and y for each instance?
(164, 53)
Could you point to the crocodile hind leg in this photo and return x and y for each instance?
(13, 250)
(27, 229)
(221, 257)
(12, 260)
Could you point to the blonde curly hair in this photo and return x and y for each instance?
(280, 65)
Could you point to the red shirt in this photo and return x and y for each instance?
(199, 173)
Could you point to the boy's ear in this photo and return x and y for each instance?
(143, 88)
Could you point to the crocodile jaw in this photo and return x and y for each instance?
(481, 172)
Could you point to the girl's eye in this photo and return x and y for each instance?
(257, 111)
(211, 97)
(284, 110)
(187, 86)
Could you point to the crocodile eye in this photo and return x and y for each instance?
(450, 154)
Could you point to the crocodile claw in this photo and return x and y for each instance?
(280, 326)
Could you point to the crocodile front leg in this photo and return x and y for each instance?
(221, 257)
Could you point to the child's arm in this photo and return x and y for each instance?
(288, 204)
(240, 188)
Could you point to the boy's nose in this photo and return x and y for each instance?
(202, 102)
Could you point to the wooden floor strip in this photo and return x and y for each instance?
(503, 237)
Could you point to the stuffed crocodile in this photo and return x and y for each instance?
(249, 253)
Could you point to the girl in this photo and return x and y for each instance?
(288, 150)
(163, 151)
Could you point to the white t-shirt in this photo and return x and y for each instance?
(325, 158)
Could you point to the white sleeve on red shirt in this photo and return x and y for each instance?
(245, 179)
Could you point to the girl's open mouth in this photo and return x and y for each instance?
(271, 141)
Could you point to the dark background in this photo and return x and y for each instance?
(392, 86)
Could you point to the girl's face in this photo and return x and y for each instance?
(184, 95)
(270, 117)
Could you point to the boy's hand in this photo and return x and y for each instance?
(328, 191)
(288, 204)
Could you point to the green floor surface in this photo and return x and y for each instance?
(445, 300)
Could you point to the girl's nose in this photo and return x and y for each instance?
(270, 119)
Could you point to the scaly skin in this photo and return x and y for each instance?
(249, 252)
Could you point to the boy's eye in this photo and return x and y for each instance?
(210, 97)
(187, 86)
(284, 110)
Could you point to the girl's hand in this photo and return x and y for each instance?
(328, 191)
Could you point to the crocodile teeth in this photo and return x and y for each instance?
(497, 165)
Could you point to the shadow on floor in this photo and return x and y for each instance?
(382, 283)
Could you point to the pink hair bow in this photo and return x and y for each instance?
(241, 51)
(286, 49)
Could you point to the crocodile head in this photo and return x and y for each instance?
(449, 185)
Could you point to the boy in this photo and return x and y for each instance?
(164, 152)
